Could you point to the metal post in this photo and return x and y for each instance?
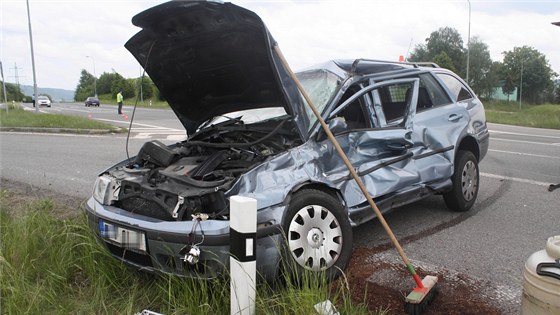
(32, 59)
(94, 77)
(4, 86)
(521, 85)
(469, 43)
(243, 246)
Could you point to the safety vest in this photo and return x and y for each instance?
(119, 97)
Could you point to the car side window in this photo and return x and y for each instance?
(431, 93)
(458, 90)
(394, 100)
(355, 113)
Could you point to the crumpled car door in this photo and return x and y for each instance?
(382, 156)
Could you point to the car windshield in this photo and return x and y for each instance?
(320, 85)
(43, 98)
(248, 116)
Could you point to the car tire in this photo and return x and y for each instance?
(466, 180)
(318, 235)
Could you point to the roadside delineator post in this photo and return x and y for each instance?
(243, 247)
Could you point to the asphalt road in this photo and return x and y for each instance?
(512, 218)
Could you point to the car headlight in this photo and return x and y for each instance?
(104, 190)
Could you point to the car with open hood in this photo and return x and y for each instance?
(410, 131)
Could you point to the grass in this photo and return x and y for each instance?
(54, 265)
(148, 103)
(537, 116)
(18, 117)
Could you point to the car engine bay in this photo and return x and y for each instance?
(172, 183)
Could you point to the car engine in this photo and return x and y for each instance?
(172, 183)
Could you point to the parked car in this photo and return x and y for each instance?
(410, 130)
(43, 100)
(92, 101)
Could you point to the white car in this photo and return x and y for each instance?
(43, 101)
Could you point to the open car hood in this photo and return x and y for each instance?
(209, 59)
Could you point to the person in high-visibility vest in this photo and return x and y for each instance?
(120, 101)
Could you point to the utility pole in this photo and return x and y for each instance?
(94, 77)
(32, 59)
(4, 86)
(521, 85)
(16, 80)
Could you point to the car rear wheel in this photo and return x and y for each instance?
(465, 183)
(318, 234)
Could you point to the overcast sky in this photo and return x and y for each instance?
(308, 32)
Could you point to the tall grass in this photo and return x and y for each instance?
(21, 118)
(538, 116)
(50, 265)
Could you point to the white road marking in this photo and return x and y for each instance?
(527, 142)
(515, 179)
(526, 154)
(523, 134)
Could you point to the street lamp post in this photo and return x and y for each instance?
(32, 58)
(94, 77)
(469, 42)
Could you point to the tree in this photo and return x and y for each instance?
(445, 39)
(443, 60)
(105, 82)
(509, 87)
(481, 78)
(85, 86)
(530, 70)
(120, 83)
(147, 86)
(13, 92)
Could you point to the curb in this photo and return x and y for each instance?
(61, 130)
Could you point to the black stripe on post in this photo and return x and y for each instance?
(238, 245)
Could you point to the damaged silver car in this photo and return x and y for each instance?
(410, 131)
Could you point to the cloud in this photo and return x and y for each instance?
(308, 32)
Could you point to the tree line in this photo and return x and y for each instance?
(523, 68)
(110, 83)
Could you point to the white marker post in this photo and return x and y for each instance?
(243, 247)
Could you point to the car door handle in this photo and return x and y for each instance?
(455, 117)
(398, 146)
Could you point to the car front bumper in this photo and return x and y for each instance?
(164, 240)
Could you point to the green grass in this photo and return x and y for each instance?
(17, 117)
(54, 265)
(148, 103)
(537, 116)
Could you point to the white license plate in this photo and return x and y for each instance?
(122, 237)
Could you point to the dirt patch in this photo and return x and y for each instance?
(21, 194)
(383, 284)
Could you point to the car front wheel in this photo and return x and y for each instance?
(318, 234)
(465, 183)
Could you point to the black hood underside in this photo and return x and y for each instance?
(208, 59)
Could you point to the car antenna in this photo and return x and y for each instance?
(137, 96)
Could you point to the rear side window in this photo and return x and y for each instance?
(435, 95)
(458, 90)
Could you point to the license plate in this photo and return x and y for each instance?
(122, 237)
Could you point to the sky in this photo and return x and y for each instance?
(65, 32)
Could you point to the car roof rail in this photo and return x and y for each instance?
(423, 64)
(414, 64)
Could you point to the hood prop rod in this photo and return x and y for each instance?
(422, 288)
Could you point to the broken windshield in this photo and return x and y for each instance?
(320, 85)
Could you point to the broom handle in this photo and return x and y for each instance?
(348, 164)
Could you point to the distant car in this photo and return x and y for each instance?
(92, 101)
(43, 101)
